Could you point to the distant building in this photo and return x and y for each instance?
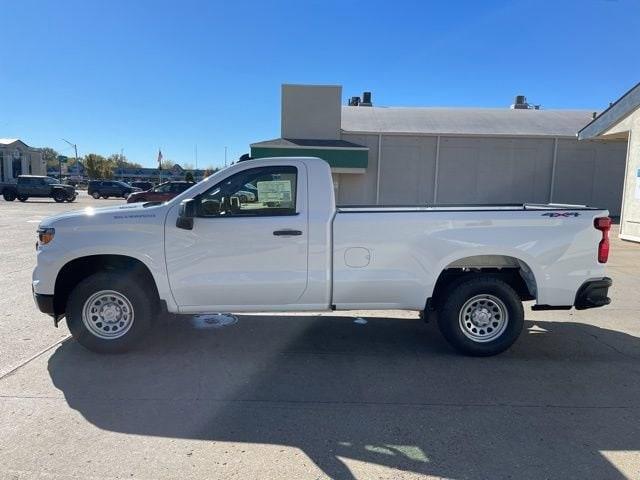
(18, 158)
(427, 155)
(153, 174)
(142, 174)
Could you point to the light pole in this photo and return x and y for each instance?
(75, 147)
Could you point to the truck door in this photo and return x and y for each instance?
(248, 246)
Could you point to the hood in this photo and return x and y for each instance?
(127, 212)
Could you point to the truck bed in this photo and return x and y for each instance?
(459, 207)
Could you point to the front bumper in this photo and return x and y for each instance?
(44, 303)
(593, 294)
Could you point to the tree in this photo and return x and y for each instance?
(97, 167)
(121, 161)
(50, 156)
(167, 164)
(210, 170)
(189, 177)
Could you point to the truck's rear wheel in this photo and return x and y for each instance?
(481, 317)
(108, 312)
(9, 196)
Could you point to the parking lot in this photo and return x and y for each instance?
(333, 395)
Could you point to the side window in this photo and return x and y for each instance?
(163, 188)
(264, 191)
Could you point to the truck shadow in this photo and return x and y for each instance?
(389, 392)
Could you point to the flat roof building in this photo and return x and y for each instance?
(425, 155)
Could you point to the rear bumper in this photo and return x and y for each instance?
(593, 294)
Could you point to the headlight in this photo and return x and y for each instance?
(45, 235)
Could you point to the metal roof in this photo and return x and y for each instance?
(465, 121)
(308, 143)
(617, 111)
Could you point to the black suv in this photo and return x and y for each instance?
(109, 188)
(37, 186)
(144, 186)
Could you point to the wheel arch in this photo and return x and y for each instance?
(512, 270)
(76, 270)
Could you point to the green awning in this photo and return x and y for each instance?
(338, 154)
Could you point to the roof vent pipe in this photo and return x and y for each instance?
(366, 100)
(520, 102)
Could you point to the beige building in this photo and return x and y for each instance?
(418, 155)
(18, 158)
(621, 123)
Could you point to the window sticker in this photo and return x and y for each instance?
(274, 191)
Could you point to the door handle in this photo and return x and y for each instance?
(287, 233)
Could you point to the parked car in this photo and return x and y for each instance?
(37, 186)
(110, 271)
(110, 188)
(161, 193)
(143, 186)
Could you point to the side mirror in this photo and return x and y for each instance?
(186, 214)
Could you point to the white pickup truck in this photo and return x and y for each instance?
(265, 235)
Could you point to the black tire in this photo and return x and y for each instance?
(71, 198)
(23, 198)
(9, 196)
(494, 332)
(105, 196)
(126, 285)
(59, 196)
(95, 195)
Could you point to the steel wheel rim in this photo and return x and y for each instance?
(483, 318)
(108, 314)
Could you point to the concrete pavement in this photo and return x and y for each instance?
(319, 396)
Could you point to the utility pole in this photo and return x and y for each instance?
(195, 174)
(225, 157)
(75, 147)
(121, 161)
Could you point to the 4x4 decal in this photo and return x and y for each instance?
(561, 214)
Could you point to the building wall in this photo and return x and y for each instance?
(590, 172)
(485, 170)
(29, 159)
(630, 221)
(311, 111)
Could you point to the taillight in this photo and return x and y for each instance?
(604, 225)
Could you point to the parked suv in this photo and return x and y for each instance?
(144, 186)
(110, 188)
(161, 193)
(37, 186)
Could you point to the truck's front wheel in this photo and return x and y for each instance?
(482, 316)
(108, 312)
